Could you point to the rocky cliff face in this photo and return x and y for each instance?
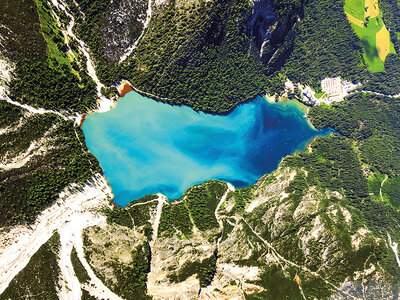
(269, 26)
(262, 23)
(122, 26)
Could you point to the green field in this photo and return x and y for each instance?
(355, 8)
(368, 35)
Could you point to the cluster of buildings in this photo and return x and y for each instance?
(334, 90)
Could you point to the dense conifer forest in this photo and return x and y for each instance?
(213, 63)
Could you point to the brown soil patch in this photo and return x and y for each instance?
(82, 119)
(125, 89)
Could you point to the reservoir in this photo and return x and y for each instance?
(146, 147)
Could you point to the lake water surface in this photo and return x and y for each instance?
(146, 147)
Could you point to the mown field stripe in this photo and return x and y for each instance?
(354, 20)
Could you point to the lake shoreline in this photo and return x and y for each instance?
(145, 146)
(296, 103)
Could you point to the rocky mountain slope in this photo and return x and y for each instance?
(284, 237)
(287, 236)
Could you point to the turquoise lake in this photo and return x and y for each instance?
(146, 147)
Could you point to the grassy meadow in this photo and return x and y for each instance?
(366, 20)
